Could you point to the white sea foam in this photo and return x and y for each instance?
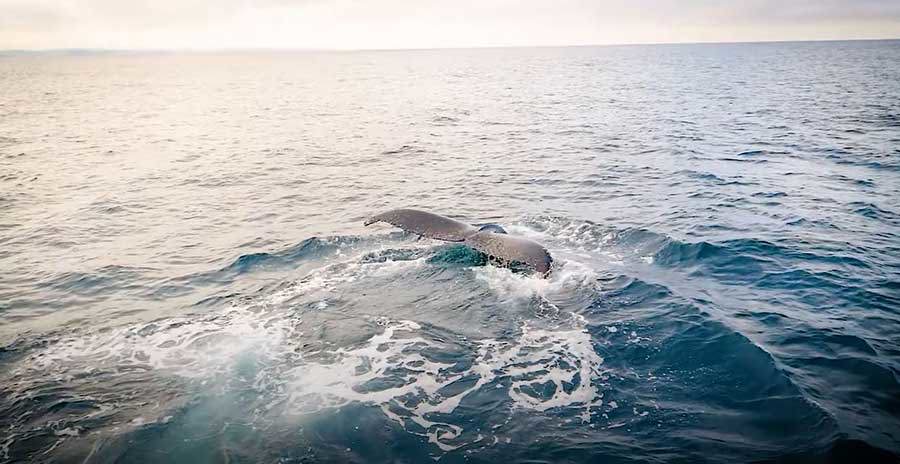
(567, 276)
(350, 269)
(195, 345)
(408, 384)
(522, 366)
(576, 237)
(395, 369)
(571, 234)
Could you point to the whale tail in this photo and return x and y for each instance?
(490, 239)
(511, 248)
(425, 224)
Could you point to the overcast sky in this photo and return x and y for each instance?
(351, 24)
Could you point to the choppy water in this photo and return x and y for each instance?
(184, 274)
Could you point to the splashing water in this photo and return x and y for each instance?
(417, 378)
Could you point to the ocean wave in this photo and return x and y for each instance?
(566, 346)
(397, 369)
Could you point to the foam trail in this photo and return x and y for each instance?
(403, 369)
(564, 358)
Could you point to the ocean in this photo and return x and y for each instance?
(185, 275)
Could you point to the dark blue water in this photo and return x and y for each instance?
(184, 274)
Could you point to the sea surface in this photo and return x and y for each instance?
(185, 275)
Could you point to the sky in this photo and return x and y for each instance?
(373, 24)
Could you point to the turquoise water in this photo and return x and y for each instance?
(185, 277)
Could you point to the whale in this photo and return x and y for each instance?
(490, 239)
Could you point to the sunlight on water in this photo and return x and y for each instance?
(185, 275)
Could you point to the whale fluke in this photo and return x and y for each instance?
(511, 248)
(425, 224)
(489, 239)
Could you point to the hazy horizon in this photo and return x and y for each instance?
(401, 24)
(486, 47)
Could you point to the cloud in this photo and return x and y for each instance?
(430, 23)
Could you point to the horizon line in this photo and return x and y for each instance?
(472, 47)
